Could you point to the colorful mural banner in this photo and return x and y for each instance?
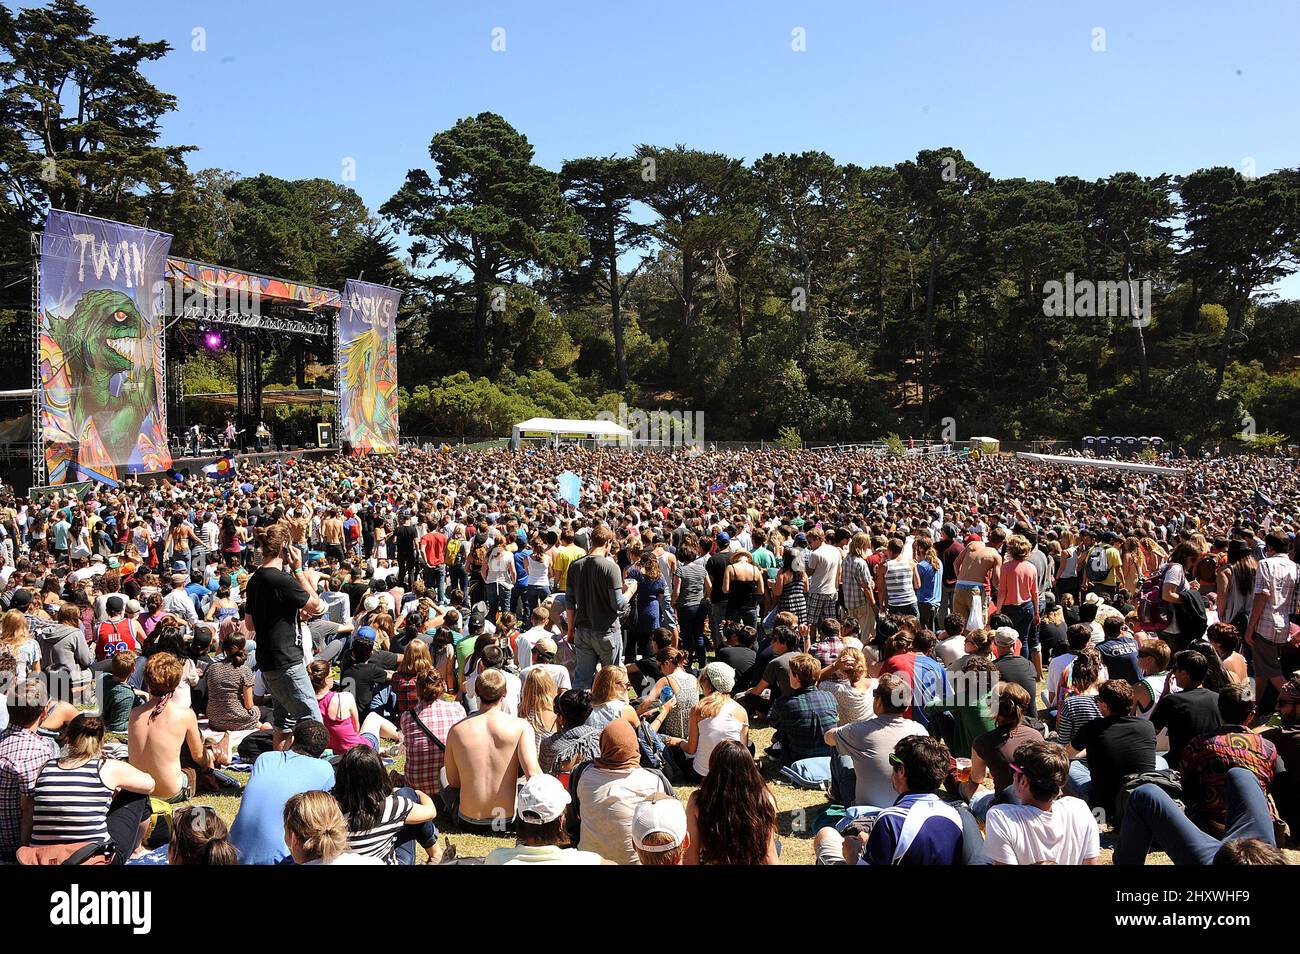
(367, 367)
(102, 400)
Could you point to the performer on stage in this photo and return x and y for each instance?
(263, 435)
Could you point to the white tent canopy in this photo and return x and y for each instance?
(558, 428)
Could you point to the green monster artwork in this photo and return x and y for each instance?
(112, 384)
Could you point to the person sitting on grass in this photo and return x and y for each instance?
(1152, 816)
(659, 831)
(163, 735)
(731, 817)
(383, 822)
(931, 836)
(200, 837)
(541, 806)
(341, 716)
(85, 797)
(1207, 759)
(804, 715)
(606, 790)
(486, 754)
(118, 696)
(317, 833)
(258, 833)
(1040, 825)
(714, 719)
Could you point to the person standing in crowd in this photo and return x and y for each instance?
(276, 594)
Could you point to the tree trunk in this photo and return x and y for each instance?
(1144, 368)
(688, 290)
(927, 341)
(616, 316)
(480, 327)
(300, 367)
(1235, 309)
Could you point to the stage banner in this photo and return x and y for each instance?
(367, 367)
(102, 405)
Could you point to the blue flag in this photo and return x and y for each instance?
(570, 488)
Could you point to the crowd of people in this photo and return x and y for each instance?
(978, 659)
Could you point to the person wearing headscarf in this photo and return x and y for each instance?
(606, 792)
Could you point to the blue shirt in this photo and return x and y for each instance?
(934, 836)
(258, 831)
(521, 566)
(930, 579)
(929, 682)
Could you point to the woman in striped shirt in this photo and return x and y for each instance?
(383, 822)
(83, 797)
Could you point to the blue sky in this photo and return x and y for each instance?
(294, 88)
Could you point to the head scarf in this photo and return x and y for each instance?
(618, 748)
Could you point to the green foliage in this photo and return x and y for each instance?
(1266, 442)
(788, 437)
(895, 446)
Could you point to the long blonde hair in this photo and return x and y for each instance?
(13, 629)
(603, 690)
(415, 660)
(316, 820)
(538, 694)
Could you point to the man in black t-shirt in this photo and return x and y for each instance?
(1191, 712)
(272, 603)
(363, 676)
(1117, 744)
(406, 538)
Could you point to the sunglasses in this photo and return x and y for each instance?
(895, 761)
(1016, 768)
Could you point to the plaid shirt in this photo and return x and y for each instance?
(1206, 760)
(856, 576)
(404, 690)
(803, 718)
(424, 757)
(826, 651)
(22, 756)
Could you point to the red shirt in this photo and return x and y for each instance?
(112, 638)
(434, 546)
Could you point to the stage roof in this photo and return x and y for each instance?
(305, 396)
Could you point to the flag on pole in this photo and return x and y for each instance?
(570, 488)
(222, 469)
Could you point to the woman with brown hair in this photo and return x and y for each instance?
(650, 588)
(731, 818)
(415, 660)
(993, 752)
(200, 837)
(744, 585)
(85, 797)
(673, 695)
(425, 727)
(230, 690)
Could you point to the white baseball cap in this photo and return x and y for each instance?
(661, 815)
(541, 799)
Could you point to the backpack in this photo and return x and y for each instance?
(1154, 612)
(1098, 567)
(453, 552)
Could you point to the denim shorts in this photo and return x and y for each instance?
(293, 694)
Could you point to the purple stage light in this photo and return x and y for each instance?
(213, 340)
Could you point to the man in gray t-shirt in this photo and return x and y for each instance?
(597, 595)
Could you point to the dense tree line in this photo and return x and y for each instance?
(783, 292)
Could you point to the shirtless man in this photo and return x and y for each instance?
(975, 568)
(485, 755)
(331, 531)
(159, 730)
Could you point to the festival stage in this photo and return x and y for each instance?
(193, 466)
